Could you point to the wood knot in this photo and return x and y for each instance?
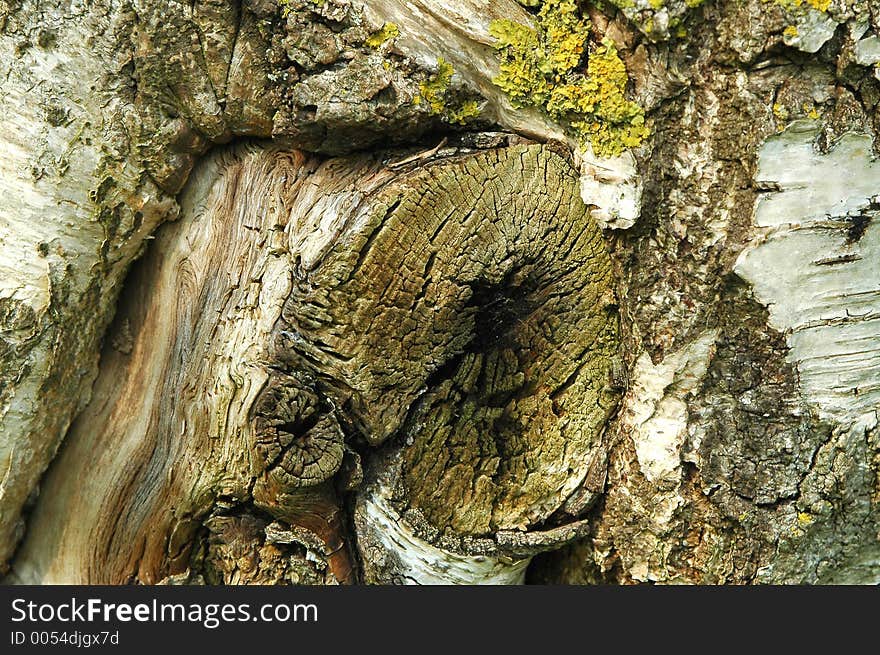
(298, 437)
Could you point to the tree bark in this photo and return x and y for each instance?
(395, 325)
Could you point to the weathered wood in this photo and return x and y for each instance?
(266, 328)
(104, 109)
(170, 430)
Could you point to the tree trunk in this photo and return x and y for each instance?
(374, 291)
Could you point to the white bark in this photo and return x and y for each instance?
(815, 263)
(61, 260)
(418, 561)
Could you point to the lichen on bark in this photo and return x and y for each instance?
(540, 67)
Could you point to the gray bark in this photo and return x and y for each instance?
(372, 341)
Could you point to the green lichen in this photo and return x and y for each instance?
(542, 68)
(434, 92)
(386, 33)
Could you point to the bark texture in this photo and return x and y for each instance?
(431, 363)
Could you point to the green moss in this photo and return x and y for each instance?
(386, 33)
(540, 68)
(435, 91)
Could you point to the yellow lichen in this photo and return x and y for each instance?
(805, 519)
(811, 111)
(542, 68)
(806, 109)
(468, 110)
(386, 33)
(780, 112)
(433, 92)
(819, 5)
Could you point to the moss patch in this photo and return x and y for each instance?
(542, 68)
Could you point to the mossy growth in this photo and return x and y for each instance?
(434, 92)
(542, 68)
(387, 32)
